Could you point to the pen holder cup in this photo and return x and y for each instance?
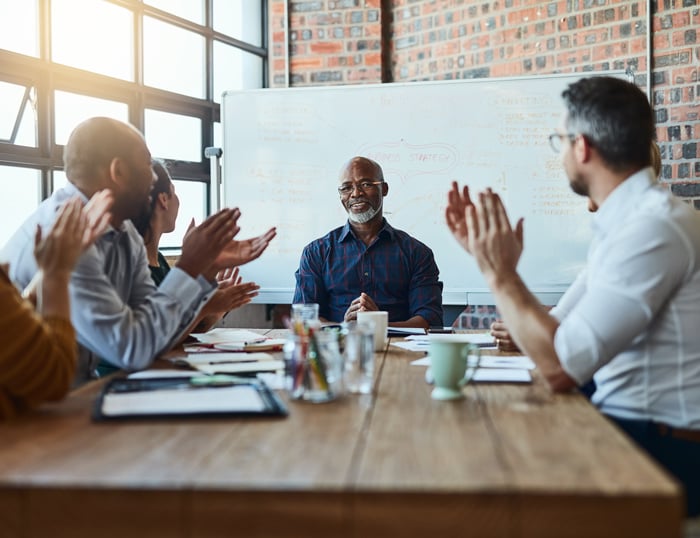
(314, 367)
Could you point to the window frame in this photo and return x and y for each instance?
(48, 77)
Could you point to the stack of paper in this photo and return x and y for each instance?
(238, 340)
(233, 363)
(417, 342)
(495, 369)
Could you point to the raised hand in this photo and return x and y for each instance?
(457, 204)
(241, 252)
(75, 229)
(202, 244)
(491, 240)
(60, 249)
(232, 293)
(231, 297)
(97, 213)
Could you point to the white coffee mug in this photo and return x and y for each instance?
(381, 322)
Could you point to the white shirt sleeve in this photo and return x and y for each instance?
(570, 298)
(630, 277)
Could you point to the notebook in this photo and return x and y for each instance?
(177, 397)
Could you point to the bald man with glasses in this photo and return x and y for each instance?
(367, 264)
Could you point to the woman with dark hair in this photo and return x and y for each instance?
(160, 219)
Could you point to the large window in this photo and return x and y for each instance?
(161, 65)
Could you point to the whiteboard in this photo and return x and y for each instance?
(284, 148)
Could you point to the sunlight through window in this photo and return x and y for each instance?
(102, 45)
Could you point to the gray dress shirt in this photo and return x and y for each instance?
(118, 313)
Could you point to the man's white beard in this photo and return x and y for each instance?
(361, 218)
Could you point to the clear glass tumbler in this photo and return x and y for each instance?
(359, 357)
(314, 366)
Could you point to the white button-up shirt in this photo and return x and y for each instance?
(631, 320)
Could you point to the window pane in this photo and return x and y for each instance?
(173, 58)
(25, 186)
(192, 10)
(27, 133)
(100, 39)
(193, 195)
(218, 137)
(18, 27)
(235, 69)
(59, 179)
(72, 108)
(241, 19)
(12, 97)
(172, 136)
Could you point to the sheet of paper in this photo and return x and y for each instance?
(520, 362)
(222, 335)
(412, 345)
(496, 361)
(225, 357)
(241, 367)
(418, 342)
(501, 375)
(269, 344)
(401, 331)
(150, 374)
(274, 380)
(201, 400)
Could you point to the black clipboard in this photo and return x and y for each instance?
(189, 397)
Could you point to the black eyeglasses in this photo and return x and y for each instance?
(364, 186)
(556, 138)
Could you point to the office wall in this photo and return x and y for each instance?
(325, 42)
(340, 42)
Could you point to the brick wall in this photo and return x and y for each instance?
(340, 42)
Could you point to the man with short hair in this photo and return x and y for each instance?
(630, 321)
(119, 315)
(367, 264)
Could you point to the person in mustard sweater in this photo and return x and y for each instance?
(38, 360)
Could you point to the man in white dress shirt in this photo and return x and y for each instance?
(631, 320)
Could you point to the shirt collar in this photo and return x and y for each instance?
(71, 190)
(621, 200)
(385, 229)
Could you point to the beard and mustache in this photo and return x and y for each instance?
(365, 216)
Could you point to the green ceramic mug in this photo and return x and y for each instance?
(450, 366)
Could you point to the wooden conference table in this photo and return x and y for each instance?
(506, 461)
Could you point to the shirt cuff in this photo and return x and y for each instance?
(576, 349)
(186, 289)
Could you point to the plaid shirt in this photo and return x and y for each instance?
(397, 271)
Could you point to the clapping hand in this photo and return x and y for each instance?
(232, 292)
(455, 214)
(204, 243)
(75, 229)
(237, 253)
(485, 231)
